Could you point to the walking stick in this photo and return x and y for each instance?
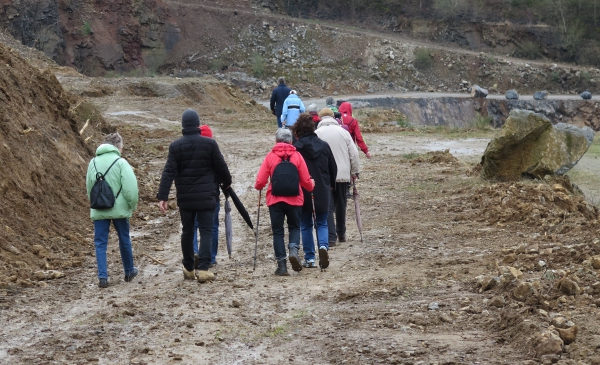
(256, 233)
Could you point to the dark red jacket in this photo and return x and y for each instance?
(353, 127)
(265, 172)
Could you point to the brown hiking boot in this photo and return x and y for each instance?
(205, 275)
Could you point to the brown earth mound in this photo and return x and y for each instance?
(437, 157)
(551, 205)
(44, 210)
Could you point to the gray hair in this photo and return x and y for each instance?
(114, 139)
(281, 80)
(312, 108)
(329, 100)
(283, 135)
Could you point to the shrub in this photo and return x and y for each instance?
(86, 28)
(423, 59)
(528, 49)
(258, 65)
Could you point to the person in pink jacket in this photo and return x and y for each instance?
(282, 207)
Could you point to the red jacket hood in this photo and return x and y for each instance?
(345, 109)
(283, 149)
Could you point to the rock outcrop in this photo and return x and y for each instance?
(529, 145)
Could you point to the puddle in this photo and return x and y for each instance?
(126, 112)
(463, 147)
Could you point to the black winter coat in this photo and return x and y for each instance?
(196, 164)
(278, 96)
(322, 168)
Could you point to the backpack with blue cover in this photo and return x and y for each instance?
(101, 195)
(285, 179)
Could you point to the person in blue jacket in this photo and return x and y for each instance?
(278, 96)
(292, 108)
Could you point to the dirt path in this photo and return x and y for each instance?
(406, 295)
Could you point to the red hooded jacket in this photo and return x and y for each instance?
(353, 127)
(265, 172)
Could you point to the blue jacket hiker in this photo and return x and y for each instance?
(292, 108)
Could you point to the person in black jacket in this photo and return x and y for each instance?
(278, 96)
(323, 169)
(195, 163)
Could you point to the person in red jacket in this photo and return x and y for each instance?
(281, 207)
(353, 127)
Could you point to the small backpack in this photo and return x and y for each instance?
(101, 195)
(285, 179)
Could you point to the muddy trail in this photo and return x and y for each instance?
(417, 290)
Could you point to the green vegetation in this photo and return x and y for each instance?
(86, 28)
(258, 65)
(423, 59)
(529, 50)
(278, 330)
(403, 123)
(481, 123)
(216, 64)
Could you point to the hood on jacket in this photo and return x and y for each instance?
(325, 121)
(282, 149)
(293, 97)
(107, 148)
(310, 146)
(346, 110)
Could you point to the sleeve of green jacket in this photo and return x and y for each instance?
(129, 184)
(90, 178)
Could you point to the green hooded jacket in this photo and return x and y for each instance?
(120, 175)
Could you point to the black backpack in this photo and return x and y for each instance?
(285, 179)
(101, 196)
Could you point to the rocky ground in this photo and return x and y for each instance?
(451, 270)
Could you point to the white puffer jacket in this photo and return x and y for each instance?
(343, 148)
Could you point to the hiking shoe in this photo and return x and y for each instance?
(281, 268)
(131, 275)
(188, 275)
(310, 264)
(342, 238)
(323, 257)
(332, 244)
(294, 259)
(103, 283)
(205, 275)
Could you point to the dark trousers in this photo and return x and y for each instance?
(278, 213)
(337, 204)
(205, 222)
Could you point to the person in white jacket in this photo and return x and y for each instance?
(345, 154)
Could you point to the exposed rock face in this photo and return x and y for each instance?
(120, 36)
(529, 145)
(512, 94)
(540, 95)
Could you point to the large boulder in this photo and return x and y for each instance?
(586, 95)
(478, 92)
(512, 95)
(540, 95)
(529, 145)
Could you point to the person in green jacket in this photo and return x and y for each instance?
(122, 180)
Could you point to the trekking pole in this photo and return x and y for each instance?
(256, 233)
(314, 214)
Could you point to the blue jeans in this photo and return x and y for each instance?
(306, 227)
(204, 219)
(101, 230)
(215, 236)
(278, 213)
(279, 125)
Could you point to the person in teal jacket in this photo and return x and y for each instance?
(122, 180)
(292, 108)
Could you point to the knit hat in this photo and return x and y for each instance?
(293, 92)
(190, 119)
(326, 112)
(205, 131)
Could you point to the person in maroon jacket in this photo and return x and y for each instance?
(281, 207)
(353, 127)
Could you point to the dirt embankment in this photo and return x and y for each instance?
(44, 154)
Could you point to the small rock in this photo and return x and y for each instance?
(549, 359)
(445, 318)
(523, 291)
(548, 343)
(236, 303)
(486, 282)
(540, 95)
(568, 335)
(512, 95)
(569, 287)
(586, 95)
(497, 302)
(596, 262)
(510, 258)
(433, 306)
(173, 204)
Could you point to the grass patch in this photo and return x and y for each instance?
(258, 65)
(86, 28)
(300, 314)
(410, 156)
(423, 59)
(278, 330)
(481, 123)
